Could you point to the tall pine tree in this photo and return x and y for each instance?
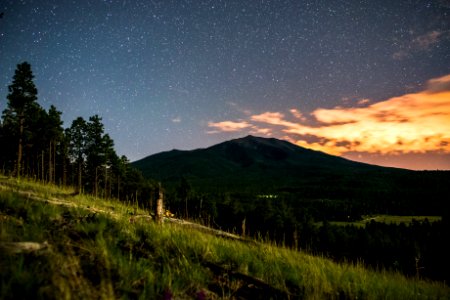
(55, 135)
(22, 95)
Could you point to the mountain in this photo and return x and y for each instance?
(329, 187)
(263, 164)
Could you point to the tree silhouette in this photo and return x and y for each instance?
(183, 192)
(99, 152)
(22, 95)
(55, 135)
(76, 135)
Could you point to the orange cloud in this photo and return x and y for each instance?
(262, 131)
(411, 123)
(440, 84)
(296, 113)
(363, 101)
(228, 126)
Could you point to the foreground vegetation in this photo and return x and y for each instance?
(90, 248)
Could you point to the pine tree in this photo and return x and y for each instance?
(99, 150)
(22, 95)
(54, 134)
(76, 135)
(119, 168)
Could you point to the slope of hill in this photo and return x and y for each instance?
(255, 163)
(54, 245)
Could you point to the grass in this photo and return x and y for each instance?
(99, 250)
(388, 219)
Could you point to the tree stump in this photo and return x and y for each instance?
(159, 212)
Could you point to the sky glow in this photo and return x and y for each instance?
(411, 123)
(368, 80)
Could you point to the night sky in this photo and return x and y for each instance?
(367, 80)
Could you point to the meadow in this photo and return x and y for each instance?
(85, 247)
(388, 219)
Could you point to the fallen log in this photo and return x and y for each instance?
(22, 247)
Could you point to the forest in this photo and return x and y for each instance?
(37, 146)
(414, 248)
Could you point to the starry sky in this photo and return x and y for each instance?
(367, 80)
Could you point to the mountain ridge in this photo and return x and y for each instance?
(251, 162)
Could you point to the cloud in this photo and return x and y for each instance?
(399, 55)
(420, 43)
(411, 123)
(363, 101)
(238, 108)
(273, 118)
(261, 131)
(176, 120)
(297, 114)
(437, 85)
(228, 126)
(427, 40)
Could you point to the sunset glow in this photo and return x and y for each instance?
(411, 123)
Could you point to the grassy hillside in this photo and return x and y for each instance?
(82, 247)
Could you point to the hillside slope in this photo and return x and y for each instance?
(54, 245)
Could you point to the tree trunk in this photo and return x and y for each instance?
(64, 171)
(54, 162)
(42, 166)
(79, 176)
(95, 183)
(50, 171)
(106, 182)
(19, 151)
(118, 187)
(295, 237)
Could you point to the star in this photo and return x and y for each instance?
(148, 63)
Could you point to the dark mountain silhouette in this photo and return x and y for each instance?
(255, 163)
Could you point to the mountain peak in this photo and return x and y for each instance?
(269, 144)
(254, 138)
(257, 140)
(251, 162)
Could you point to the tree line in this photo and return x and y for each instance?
(414, 249)
(36, 145)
